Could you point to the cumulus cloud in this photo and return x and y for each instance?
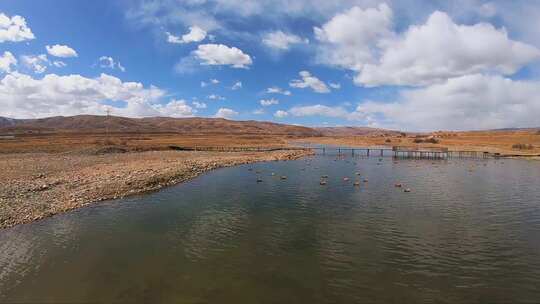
(37, 63)
(23, 96)
(62, 51)
(278, 90)
(195, 34)
(462, 103)
(219, 54)
(309, 81)
(363, 40)
(108, 62)
(466, 102)
(281, 114)
(225, 113)
(441, 49)
(6, 61)
(279, 40)
(237, 85)
(350, 39)
(258, 111)
(268, 102)
(175, 108)
(199, 105)
(14, 29)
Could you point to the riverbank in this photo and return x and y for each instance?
(38, 185)
(501, 143)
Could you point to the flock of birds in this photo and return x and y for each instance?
(324, 178)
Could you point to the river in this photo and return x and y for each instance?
(468, 231)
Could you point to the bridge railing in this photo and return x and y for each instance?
(419, 149)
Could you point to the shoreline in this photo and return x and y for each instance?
(36, 186)
(363, 142)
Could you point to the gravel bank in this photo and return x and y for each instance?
(34, 186)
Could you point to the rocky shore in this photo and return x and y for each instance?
(34, 186)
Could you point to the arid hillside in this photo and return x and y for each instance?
(88, 132)
(355, 131)
(114, 124)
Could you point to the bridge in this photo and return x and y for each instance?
(395, 151)
(406, 152)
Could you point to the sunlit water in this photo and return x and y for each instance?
(469, 231)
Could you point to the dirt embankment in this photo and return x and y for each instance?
(37, 185)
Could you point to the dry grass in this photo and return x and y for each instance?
(490, 141)
(58, 143)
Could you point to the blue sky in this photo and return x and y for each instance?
(415, 65)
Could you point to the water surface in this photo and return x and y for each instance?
(469, 231)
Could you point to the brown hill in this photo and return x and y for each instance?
(114, 124)
(354, 131)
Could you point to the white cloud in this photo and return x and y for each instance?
(309, 81)
(37, 63)
(281, 41)
(336, 86)
(350, 39)
(462, 103)
(219, 54)
(281, 114)
(258, 112)
(175, 108)
(441, 49)
(23, 96)
(319, 110)
(59, 64)
(268, 102)
(14, 29)
(520, 16)
(199, 105)
(215, 97)
(108, 62)
(6, 61)
(225, 113)
(195, 34)
(62, 51)
(278, 90)
(211, 81)
(363, 40)
(237, 85)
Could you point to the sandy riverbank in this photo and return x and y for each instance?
(37, 185)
